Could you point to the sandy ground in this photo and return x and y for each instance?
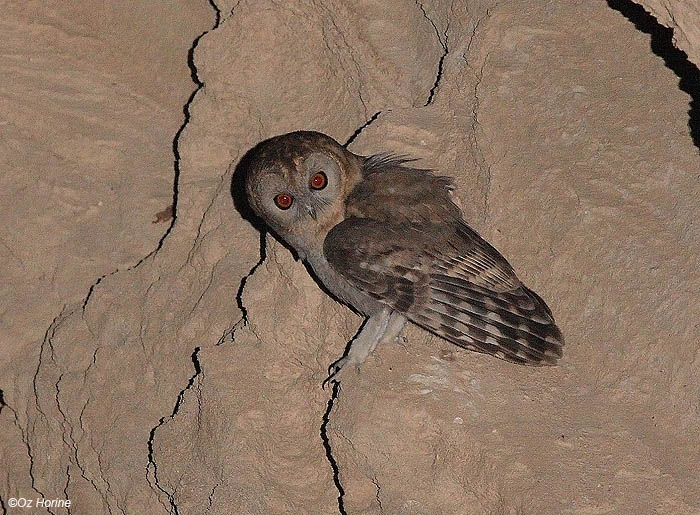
(174, 365)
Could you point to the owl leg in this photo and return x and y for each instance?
(393, 329)
(381, 326)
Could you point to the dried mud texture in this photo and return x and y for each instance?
(683, 16)
(183, 375)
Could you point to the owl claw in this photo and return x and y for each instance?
(335, 371)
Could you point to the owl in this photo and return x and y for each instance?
(386, 239)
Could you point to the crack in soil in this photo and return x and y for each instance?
(244, 279)
(4, 405)
(93, 286)
(443, 40)
(163, 420)
(210, 499)
(361, 128)
(329, 450)
(65, 488)
(674, 58)
(25, 439)
(47, 342)
(230, 334)
(69, 440)
(477, 153)
(176, 150)
(375, 481)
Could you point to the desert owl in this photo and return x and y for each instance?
(386, 239)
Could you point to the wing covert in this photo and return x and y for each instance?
(448, 280)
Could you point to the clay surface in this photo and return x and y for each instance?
(683, 16)
(162, 359)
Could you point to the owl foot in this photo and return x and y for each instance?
(381, 327)
(335, 370)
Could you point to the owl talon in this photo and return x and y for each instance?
(336, 369)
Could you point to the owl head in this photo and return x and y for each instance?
(297, 184)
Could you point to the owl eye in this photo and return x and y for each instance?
(319, 181)
(284, 201)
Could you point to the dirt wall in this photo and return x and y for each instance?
(151, 368)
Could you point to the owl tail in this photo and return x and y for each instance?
(516, 326)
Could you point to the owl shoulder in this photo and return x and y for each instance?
(389, 190)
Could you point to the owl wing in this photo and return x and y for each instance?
(448, 280)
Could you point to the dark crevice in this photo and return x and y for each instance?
(230, 334)
(210, 499)
(329, 451)
(69, 441)
(361, 128)
(25, 439)
(93, 286)
(47, 342)
(240, 202)
(31, 466)
(175, 148)
(375, 481)
(674, 59)
(163, 420)
(186, 112)
(65, 488)
(217, 22)
(438, 77)
(102, 477)
(3, 404)
(230, 13)
(176, 183)
(244, 280)
(176, 139)
(30, 455)
(46, 346)
(443, 40)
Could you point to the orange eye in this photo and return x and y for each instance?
(284, 201)
(319, 181)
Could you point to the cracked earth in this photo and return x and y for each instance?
(178, 369)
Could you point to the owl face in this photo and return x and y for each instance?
(297, 183)
(286, 195)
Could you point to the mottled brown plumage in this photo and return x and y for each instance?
(387, 240)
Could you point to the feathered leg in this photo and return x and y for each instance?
(393, 329)
(384, 326)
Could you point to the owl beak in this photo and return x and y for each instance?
(311, 210)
